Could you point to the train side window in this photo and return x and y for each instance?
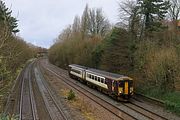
(105, 81)
(99, 79)
(96, 78)
(92, 77)
(76, 71)
(102, 80)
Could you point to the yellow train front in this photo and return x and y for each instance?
(121, 87)
(115, 85)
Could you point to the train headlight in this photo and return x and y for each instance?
(120, 90)
(131, 89)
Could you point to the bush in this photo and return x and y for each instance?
(71, 95)
(172, 101)
(159, 65)
(7, 117)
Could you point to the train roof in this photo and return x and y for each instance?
(78, 66)
(105, 73)
(110, 75)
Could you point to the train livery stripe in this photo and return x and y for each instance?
(126, 88)
(79, 75)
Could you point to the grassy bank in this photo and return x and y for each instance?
(171, 99)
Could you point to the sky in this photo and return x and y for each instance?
(41, 21)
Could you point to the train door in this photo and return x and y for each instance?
(83, 74)
(109, 84)
(115, 85)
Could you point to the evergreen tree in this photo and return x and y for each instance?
(6, 18)
(116, 52)
(154, 12)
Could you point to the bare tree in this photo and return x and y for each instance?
(174, 11)
(130, 18)
(76, 25)
(85, 21)
(98, 24)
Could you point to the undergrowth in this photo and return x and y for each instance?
(171, 99)
(71, 95)
(7, 117)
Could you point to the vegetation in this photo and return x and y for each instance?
(71, 95)
(144, 44)
(78, 42)
(14, 52)
(6, 117)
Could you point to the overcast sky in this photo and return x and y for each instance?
(41, 21)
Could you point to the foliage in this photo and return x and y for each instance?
(116, 52)
(71, 95)
(138, 45)
(171, 99)
(78, 42)
(14, 52)
(154, 12)
(7, 117)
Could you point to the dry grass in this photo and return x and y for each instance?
(80, 104)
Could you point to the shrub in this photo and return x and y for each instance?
(159, 65)
(71, 95)
(7, 117)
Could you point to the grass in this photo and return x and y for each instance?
(171, 99)
(7, 117)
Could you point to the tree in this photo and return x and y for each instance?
(116, 52)
(154, 12)
(98, 24)
(13, 50)
(85, 22)
(174, 14)
(7, 19)
(174, 10)
(76, 25)
(8, 24)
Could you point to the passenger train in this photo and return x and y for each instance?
(118, 86)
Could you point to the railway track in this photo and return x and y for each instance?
(27, 105)
(149, 114)
(13, 100)
(145, 113)
(105, 104)
(54, 110)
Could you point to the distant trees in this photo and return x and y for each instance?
(77, 42)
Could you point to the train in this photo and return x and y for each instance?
(115, 85)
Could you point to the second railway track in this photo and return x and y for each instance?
(54, 110)
(27, 105)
